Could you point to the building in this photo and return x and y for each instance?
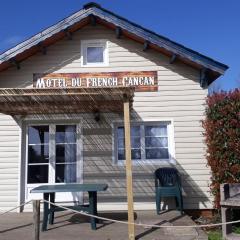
(50, 131)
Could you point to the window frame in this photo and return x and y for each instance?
(143, 160)
(94, 43)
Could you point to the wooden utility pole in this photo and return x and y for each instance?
(131, 234)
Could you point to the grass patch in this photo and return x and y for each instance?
(215, 235)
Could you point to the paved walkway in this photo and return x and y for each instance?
(74, 226)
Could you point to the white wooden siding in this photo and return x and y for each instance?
(9, 162)
(180, 98)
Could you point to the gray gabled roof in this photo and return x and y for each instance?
(124, 24)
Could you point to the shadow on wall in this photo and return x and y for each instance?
(100, 167)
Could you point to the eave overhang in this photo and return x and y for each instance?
(94, 14)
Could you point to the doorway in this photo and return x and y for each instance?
(53, 156)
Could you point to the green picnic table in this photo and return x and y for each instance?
(49, 192)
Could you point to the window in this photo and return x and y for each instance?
(149, 141)
(135, 142)
(156, 142)
(94, 53)
(52, 154)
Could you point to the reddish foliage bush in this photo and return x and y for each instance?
(222, 136)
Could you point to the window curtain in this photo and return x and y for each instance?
(70, 155)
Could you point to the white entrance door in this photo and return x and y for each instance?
(53, 156)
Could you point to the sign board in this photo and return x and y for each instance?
(142, 81)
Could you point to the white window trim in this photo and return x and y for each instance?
(96, 43)
(171, 144)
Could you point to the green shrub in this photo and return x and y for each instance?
(222, 136)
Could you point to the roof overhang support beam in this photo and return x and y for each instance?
(118, 32)
(204, 77)
(146, 46)
(173, 58)
(42, 48)
(14, 62)
(68, 34)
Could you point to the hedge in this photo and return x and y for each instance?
(222, 136)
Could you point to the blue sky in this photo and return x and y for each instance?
(208, 26)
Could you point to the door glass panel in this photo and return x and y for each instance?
(66, 153)
(38, 154)
(65, 173)
(37, 173)
(65, 134)
(38, 134)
